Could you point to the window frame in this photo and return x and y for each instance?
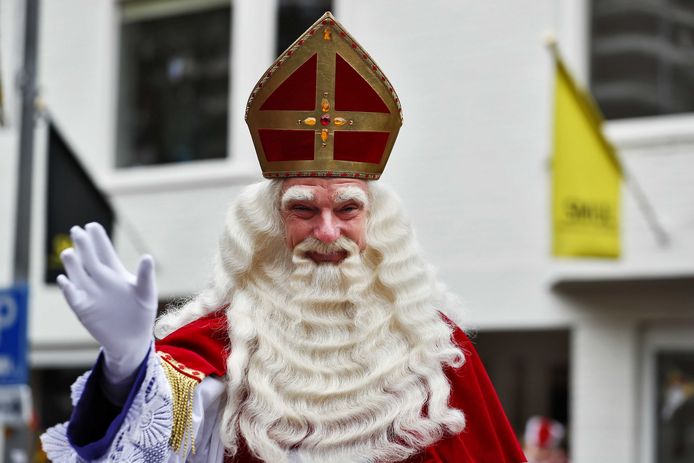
(677, 337)
(251, 53)
(573, 22)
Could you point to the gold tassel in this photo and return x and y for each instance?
(182, 389)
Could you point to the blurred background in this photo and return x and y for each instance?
(138, 121)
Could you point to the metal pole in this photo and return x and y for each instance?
(25, 180)
(26, 144)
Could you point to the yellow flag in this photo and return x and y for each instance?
(586, 176)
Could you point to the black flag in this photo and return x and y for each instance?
(73, 199)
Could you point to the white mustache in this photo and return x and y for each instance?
(312, 244)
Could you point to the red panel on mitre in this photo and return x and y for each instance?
(287, 145)
(297, 92)
(353, 92)
(360, 146)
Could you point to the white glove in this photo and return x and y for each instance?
(116, 307)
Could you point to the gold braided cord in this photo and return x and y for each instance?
(182, 390)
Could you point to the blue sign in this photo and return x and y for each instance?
(13, 335)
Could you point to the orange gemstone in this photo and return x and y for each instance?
(327, 35)
(325, 105)
(340, 121)
(324, 135)
(310, 121)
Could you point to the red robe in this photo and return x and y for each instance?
(203, 345)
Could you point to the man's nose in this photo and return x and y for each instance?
(327, 230)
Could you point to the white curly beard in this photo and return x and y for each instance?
(328, 371)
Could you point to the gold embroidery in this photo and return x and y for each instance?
(182, 390)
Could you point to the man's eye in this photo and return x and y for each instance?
(349, 208)
(301, 208)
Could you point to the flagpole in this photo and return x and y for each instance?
(26, 145)
(2, 101)
(646, 208)
(642, 202)
(22, 255)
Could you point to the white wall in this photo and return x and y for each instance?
(605, 373)
(606, 360)
(476, 86)
(471, 164)
(473, 80)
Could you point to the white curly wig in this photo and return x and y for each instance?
(347, 367)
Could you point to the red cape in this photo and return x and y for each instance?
(203, 345)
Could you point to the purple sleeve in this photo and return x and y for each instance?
(95, 419)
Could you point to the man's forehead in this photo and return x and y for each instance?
(330, 185)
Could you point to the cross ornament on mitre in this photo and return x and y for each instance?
(324, 108)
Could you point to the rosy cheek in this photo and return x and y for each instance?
(300, 230)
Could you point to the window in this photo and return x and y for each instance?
(675, 402)
(294, 17)
(174, 81)
(667, 415)
(532, 378)
(642, 57)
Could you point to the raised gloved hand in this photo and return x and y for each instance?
(115, 306)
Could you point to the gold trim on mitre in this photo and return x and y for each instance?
(325, 38)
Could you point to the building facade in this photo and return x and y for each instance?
(150, 95)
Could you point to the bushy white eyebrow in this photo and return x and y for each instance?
(296, 193)
(352, 193)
